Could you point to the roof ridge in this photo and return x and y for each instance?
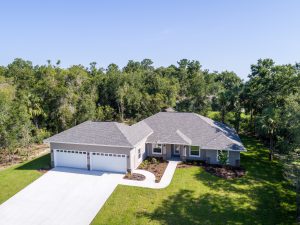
(183, 136)
(124, 135)
(203, 119)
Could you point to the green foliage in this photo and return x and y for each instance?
(223, 157)
(37, 101)
(154, 160)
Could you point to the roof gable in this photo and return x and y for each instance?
(193, 129)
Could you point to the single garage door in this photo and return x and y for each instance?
(70, 158)
(108, 162)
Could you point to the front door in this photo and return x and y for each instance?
(176, 150)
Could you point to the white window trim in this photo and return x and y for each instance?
(157, 145)
(196, 156)
(223, 151)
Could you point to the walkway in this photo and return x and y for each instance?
(149, 182)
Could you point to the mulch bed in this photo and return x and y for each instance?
(226, 172)
(134, 176)
(157, 166)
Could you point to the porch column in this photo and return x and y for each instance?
(164, 151)
(183, 153)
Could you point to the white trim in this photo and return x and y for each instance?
(161, 149)
(56, 150)
(196, 156)
(230, 150)
(73, 143)
(165, 143)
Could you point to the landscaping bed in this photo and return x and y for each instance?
(134, 176)
(157, 166)
(226, 172)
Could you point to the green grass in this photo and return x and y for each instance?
(196, 197)
(15, 178)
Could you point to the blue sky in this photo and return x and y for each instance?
(222, 35)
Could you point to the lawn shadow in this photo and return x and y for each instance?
(270, 194)
(36, 164)
(186, 208)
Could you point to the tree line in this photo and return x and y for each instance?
(39, 100)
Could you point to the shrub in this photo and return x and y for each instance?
(154, 161)
(223, 157)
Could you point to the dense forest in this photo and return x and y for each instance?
(37, 101)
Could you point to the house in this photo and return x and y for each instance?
(116, 147)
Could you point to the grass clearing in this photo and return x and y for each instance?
(15, 178)
(196, 197)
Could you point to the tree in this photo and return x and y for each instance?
(268, 124)
(291, 165)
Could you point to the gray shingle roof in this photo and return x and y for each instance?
(103, 133)
(200, 130)
(163, 127)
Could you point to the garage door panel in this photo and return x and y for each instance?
(109, 162)
(73, 159)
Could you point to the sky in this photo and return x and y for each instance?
(223, 35)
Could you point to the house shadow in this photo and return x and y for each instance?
(43, 162)
(84, 171)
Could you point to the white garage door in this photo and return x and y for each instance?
(108, 162)
(70, 158)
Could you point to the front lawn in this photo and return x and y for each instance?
(196, 197)
(15, 178)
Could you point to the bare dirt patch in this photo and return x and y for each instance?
(134, 176)
(23, 154)
(226, 172)
(157, 166)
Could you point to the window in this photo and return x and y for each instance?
(139, 153)
(157, 149)
(195, 151)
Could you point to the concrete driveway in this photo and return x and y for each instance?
(61, 196)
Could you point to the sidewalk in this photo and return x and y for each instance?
(149, 182)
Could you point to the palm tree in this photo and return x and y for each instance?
(269, 123)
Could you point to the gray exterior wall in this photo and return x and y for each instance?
(135, 154)
(234, 157)
(92, 148)
(202, 154)
(149, 151)
(169, 151)
(210, 156)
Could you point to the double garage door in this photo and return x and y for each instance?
(98, 161)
